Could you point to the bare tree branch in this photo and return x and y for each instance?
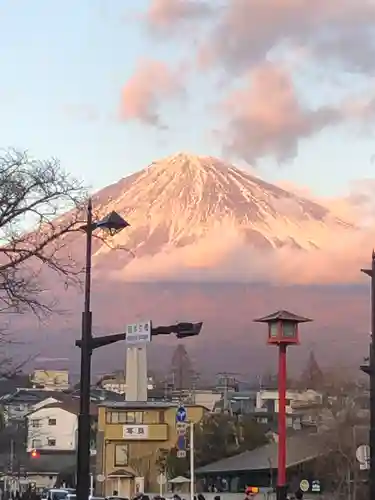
(34, 195)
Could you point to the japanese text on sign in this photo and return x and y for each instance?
(135, 431)
(138, 333)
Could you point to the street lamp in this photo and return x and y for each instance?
(112, 223)
(370, 370)
(282, 331)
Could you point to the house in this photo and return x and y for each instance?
(53, 427)
(269, 399)
(130, 438)
(52, 380)
(46, 470)
(237, 402)
(258, 467)
(17, 405)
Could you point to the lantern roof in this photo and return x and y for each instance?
(282, 315)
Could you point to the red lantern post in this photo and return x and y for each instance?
(282, 331)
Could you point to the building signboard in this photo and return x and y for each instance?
(138, 333)
(135, 431)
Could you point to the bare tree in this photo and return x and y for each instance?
(343, 427)
(33, 196)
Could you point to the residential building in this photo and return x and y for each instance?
(269, 400)
(53, 427)
(130, 438)
(17, 405)
(117, 383)
(236, 402)
(52, 380)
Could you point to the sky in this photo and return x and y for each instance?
(108, 86)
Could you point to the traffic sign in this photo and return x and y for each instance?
(181, 414)
(304, 485)
(139, 333)
(181, 442)
(363, 456)
(181, 454)
(181, 425)
(315, 486)
(100, 478)
(161, 479)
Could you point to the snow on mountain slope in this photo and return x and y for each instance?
(181, 199)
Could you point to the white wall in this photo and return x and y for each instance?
(64, 432)
(263, 396)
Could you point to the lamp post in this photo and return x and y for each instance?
(370, 370)
(282, 331)
(113, 223)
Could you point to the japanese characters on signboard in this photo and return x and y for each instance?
(135, 431)
(138, 333)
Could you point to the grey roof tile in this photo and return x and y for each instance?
(300, 448)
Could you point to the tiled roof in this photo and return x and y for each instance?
(71, 406)
(283, 315)
(301, 447)
(140, 405)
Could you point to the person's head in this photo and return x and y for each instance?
(217, 497)
(299, 495)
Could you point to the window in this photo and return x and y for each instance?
(274, 330)
(121, 455)
(51, 442)
(125, 417)
(51, 421)
(36, 443)
(289, 329)
(35, 422)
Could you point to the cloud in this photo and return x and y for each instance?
(226, 257)
(152, 83)
(266, 118)
(246, 31)
(166, 16)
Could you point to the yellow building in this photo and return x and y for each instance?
(130, 437)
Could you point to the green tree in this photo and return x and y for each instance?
(216, 436)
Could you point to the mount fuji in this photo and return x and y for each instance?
(204, 239)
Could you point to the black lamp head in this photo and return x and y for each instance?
(112, 223)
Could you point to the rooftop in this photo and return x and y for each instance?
(282, 315)
(71, 406)
(139, 405)
(301, 447)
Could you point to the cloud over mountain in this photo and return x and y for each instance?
(201, 219)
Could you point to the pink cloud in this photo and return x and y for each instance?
(151, 84)
(223, 257)
(266, 118)
(168, 15)
(243, 33)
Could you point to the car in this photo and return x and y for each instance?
(58, 493)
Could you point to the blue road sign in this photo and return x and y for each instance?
(181, 414)
(181, 443)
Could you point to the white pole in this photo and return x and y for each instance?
(161, 476)
(92, 484)
(192, 469)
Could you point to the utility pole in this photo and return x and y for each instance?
(224, 382)
(370, 370)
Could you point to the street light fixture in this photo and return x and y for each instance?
(112, 223)
(282, 332)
